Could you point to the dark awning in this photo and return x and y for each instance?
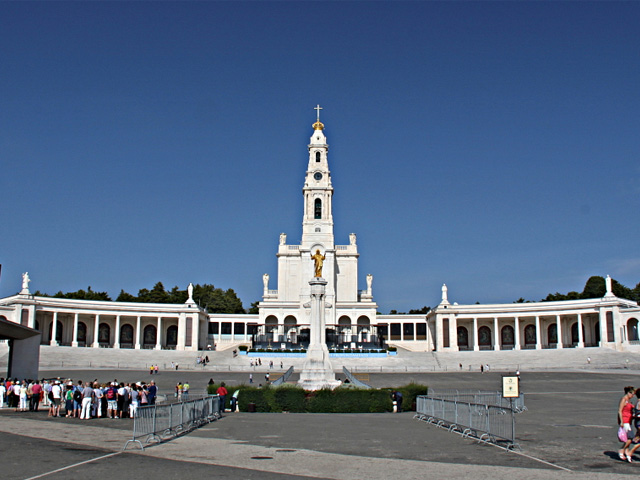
(13, 331)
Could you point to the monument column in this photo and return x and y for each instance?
(517, 334)
(317, 372)
(538, 334)
(496, 333)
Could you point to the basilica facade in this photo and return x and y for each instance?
(352, 321)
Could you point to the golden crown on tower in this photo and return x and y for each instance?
(318, 125)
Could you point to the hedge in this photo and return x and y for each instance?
(291, 398)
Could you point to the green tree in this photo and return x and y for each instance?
(594, 288)
(422, 310)
(254, 308)
(85, 295)
(126, 297)
(156, 295)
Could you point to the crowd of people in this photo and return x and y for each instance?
(78, 399)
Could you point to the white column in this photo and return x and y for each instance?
(453, 333)
(95, 332)
(580, 339)
(31, 320)
(54, 330)
(559, 329)
(439, 336)
(137, 345)
(538, 334)
(517, 332)
(74, 340)
(476, 345)
(496, 334)
(159, 334)
(195, 332)
(182, 332)
(116, 337)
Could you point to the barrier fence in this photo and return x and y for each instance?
(481, 397)
(156, 423)
(283, 378)
(487, 423)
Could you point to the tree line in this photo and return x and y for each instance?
(214, 300)
(594, 288)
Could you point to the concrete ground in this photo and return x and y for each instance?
(568, 431)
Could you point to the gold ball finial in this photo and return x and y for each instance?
(318, 125)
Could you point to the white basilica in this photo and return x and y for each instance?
(350, 313)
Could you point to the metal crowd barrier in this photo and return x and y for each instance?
(487, 423)
(282, 379)
(354, 380)
(156, 423)
(482, 397)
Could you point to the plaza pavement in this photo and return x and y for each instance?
(568, 432)
(404, 361)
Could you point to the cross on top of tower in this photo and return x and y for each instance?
(318, 125)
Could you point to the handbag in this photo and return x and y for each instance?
(622, 434)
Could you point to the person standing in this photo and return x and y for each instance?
(87, 398)
(625, 414)
(153, 393)
(56, 394)
(36, 394)
(222, 393)
(185, 391)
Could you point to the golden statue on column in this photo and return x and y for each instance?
(318, 261)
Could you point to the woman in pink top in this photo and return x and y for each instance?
(625, 414)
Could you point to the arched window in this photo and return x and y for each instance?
(317, 209)
(463, 337)
(82, 332)
(552, 334)
(632, 330)
(317, 156)
(126, 334)
(172, 336)
(104, 332)
(530, 335)
(149, 335)
(484, 336)
(507, 336)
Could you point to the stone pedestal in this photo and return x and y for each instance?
(317, 372)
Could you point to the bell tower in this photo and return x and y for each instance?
(317, 220)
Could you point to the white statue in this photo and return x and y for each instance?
(265, 281)
(283, 239)
(190, 291)
(444, 294)
(609, 285)
(352, 238)
(25, 282)
(369, 283)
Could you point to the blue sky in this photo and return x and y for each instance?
(490, 146)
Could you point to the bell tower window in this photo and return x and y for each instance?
(317, 156)
(317, 209)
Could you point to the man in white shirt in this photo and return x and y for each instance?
(56, 390)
